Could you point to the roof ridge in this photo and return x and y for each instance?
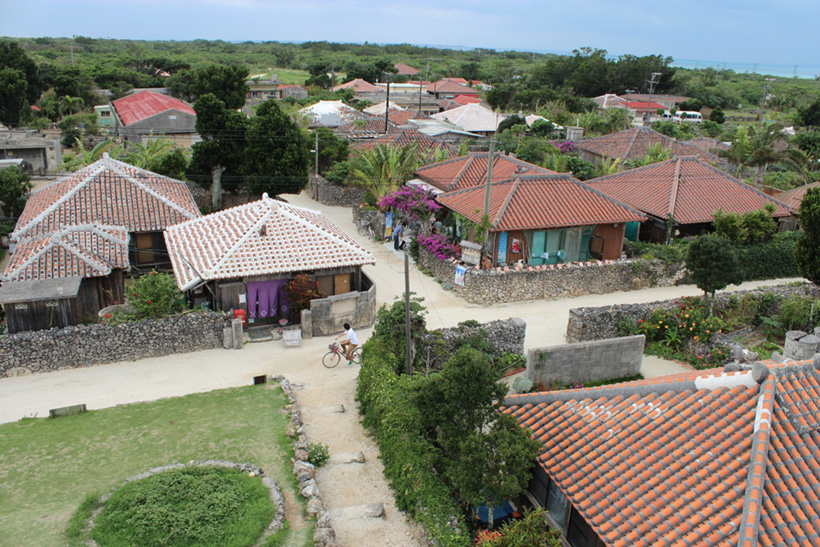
(632, 142)
(86, 255)
(117, 166)
(268, 211)
(467, 164)
(513, 187)
(603, 195)
(673, 195)
(743, 378)
(756, 476)
(62, 199)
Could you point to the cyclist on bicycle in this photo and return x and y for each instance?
(350, 344)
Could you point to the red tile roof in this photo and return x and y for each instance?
(358, 85)
(401, 117)
(448, 86)
(367, 127)
(108, 192)
(714, 458)
(707, 144)
(259, 238)
(639, 105)
(632, 143)
(405, 70)
(403, 137)
(466, 99)
(471, 170)
(145, 104)
(78, 251)
(539, 202)
(686, 188)
(794, 197)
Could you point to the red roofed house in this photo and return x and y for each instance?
(545, 219)
(111, 193)
(726, 456)
(471, 170)
(58, 279)
(686, 190)
(246, 254)
(448, 89)
(405, 70)
(427, 147)
(359, 86)
(632, 143)
(146, 115)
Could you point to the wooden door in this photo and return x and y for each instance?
(342, 283)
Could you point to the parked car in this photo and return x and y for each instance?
(687, 117)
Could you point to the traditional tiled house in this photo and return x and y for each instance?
(631, 144)
(112, 193)
(427, 146)
(366, 128)
(55, 280)
(545, 219)
(331, 114)
(473, 118)
(706, 458)
(686, 191)
(471, 170)
(246, 254)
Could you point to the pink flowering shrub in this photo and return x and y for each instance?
(565, 147)
(413, 202)
(440, 246)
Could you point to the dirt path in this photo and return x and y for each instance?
(344, 486)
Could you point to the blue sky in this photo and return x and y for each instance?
(766, 32)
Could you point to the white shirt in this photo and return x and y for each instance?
(351, 336)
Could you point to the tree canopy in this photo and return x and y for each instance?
(712, 262)
(807, 250)
(225, 82)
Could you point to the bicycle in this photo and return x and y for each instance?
(366, 228)
(336, 354)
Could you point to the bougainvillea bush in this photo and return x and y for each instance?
(441, 247)
(412, 202)
(301, 290)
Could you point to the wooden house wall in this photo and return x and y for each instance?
(613, 239)
(511, 257)
(40, 315)
(97, 293)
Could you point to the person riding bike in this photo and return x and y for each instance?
(350, 344)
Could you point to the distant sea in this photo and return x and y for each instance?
(781, 71)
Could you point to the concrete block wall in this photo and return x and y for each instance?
(586, 361)
(327, 315)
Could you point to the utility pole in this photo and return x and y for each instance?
(407, 339)
(652, 82)
(316, 165)
(763, 103)
(387, 104)
(489, 183)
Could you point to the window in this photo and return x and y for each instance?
(105, 113)
(539, 486)
(580, 533)
(558, 505)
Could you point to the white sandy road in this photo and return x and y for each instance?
(317, 389)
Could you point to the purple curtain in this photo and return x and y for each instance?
(267, 299)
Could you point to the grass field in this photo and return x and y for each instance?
(49, 466)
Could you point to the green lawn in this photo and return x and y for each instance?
(49, 466)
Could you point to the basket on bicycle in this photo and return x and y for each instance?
(333, 346)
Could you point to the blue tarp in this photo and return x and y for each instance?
(499, 512)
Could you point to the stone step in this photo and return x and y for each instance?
(366, 511)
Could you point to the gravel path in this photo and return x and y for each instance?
(345, 487)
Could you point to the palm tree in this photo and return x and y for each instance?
(384, 168)
(70, 105)
(759, 149)
(655, 152)
(609, 166)
(83, 157)
(150, 155)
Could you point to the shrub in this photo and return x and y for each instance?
(770, 260)
(532, 529)
(187, 506)
(318, 454)
(796, 313)
(155, 295)
(301, 290)
(440, 246)
(411, 201)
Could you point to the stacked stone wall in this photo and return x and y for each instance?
(85, 345)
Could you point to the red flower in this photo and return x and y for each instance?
(149, 301)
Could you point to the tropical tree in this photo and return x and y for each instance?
(149, 155)
(713, 265)
(277, 154)
(222, 146)
(655, 152)
(13, 88)
(807, 250)
(70, 105)
(332, 149)
(82, 156)
(226, 82)
(609, 166)
(14, 187)
(759, 149)
(384, 168)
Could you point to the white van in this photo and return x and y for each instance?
(687, 116)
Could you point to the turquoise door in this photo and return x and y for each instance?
(538, 246)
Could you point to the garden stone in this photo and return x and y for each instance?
(324, 537)
(447, 286)
(310, 490)
(323, 520)
(314, 505)
(522, 384)
(301, 455)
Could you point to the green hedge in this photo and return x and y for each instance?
(407, 455)
(771, 260)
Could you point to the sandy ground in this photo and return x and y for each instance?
(344, 486)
